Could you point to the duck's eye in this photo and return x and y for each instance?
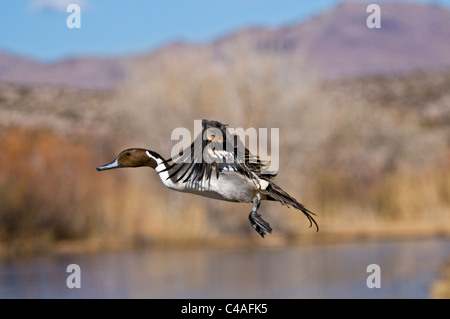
(128, 154)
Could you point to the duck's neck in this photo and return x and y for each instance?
(160, 168)
(158, 159)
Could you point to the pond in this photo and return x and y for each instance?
(407, 268)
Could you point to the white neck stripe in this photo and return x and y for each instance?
(160, 169)
(159, 162)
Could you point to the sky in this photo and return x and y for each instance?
(37, 29)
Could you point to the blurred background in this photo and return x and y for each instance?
(364, 119)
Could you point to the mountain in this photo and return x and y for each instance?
(334, 44)
(86, 72)
(411, 37)
(339, 43)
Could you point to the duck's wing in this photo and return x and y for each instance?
(215, 149)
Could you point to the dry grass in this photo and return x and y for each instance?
(419, 197)
(50, 192)
(361, 159)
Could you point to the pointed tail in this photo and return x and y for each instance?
(274, 192)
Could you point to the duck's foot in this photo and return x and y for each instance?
(259, 224)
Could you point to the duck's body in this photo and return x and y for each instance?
(229, 187)
(209, 169)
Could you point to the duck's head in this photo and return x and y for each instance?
(133, 157)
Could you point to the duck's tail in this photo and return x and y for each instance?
(274, 192)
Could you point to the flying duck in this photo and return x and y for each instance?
(216, 165)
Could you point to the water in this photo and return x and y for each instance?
(408, 268)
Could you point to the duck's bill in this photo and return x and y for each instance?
(114, 164)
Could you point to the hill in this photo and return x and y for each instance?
(334, 44)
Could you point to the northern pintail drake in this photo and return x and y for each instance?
(208, 169)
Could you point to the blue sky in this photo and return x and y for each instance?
(37, 28)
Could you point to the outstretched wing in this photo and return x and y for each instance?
(215, 150)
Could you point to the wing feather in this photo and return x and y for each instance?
(214, 149)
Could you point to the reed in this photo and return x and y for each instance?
(361, 159)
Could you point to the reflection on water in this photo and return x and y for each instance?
(308, 271)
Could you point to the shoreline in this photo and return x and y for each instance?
(381, 231)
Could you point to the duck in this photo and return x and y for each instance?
(217, 165)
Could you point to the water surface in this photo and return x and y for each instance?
(408, 268)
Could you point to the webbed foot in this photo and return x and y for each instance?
(259, 224)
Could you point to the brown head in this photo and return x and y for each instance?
(133, 157)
